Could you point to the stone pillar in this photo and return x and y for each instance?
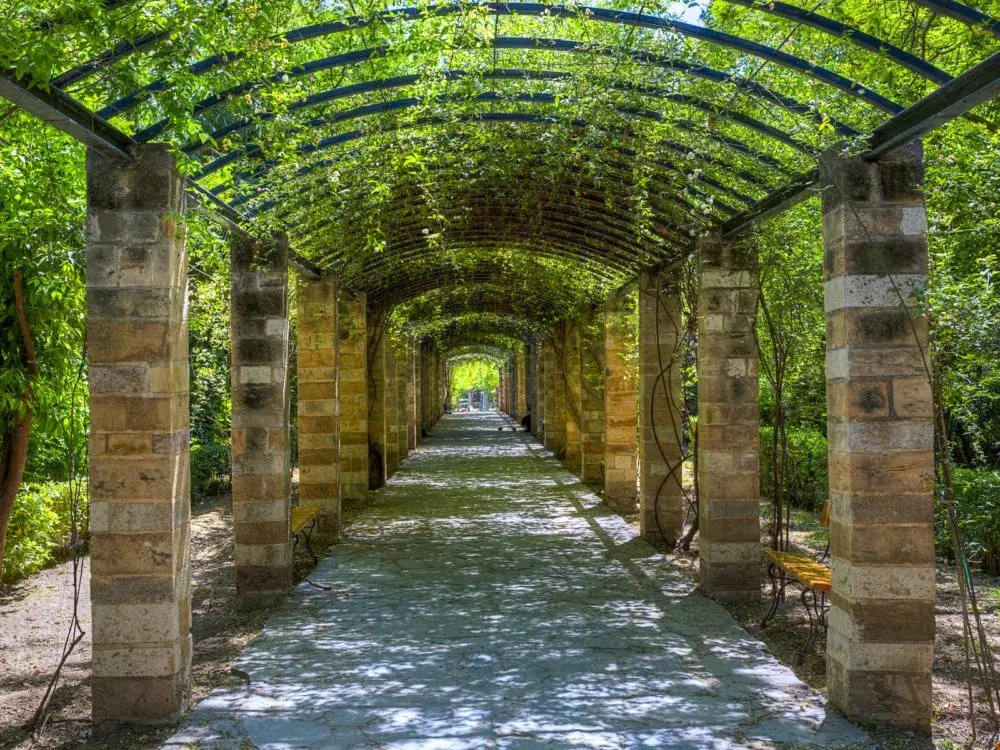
(619, 409)
(317, 403)
(531, 382)
(661, 349)
(538, 423)
(352, 386)
(140, 502)
(260, 452)
(880, 424)
(402, 407)
(521, 378)
(592, 397)
(390, 410)
(555, 399)
(570, 365)
(418, 394)
(728, 420)
(377, 402)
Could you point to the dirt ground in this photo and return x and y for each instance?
(786, 634)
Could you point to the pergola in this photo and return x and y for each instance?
(501, 172)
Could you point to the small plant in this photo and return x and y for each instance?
(977, 504)
(39, 528)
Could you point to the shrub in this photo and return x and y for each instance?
(807, 481)
(977, 505)
(39, 528)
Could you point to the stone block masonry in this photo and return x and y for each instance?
(592, 428)
(317, 406)
(137, 356)
(728, 420)
(569, 365)
(402, 406)
(661, 351)
(261, 466)
(881, 430)
(555, 401)
(353, 391)
(521, 364)
(620, 384)
(415, 395)
(538, 419)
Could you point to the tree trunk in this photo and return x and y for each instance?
(14, 440)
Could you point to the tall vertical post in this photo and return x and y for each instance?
(573, 388)
(521, 378)
(661, 489)
(592, 396)
(416, 396)
(378, 451)
(555, 396)
(390, 410)
(541, 392)
(728, 420)
(317, 404)
(352, 386)
(619, 409)
(140, 504)
(531, 382)
(880, 644)
(402, 406)
(261, 386)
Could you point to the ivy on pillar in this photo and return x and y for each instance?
(661, 491)
(569, 364)
(261, 464)
(139, 436)
(592, 397)
(620, 414)
(352, 372)
(728, 420)
(317, 404)
(880, 411)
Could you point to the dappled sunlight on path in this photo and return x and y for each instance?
(487, 599)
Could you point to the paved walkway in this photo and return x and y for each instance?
(486, 599)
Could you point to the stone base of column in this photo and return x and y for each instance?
(148, 701)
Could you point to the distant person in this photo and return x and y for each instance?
(447, 408)
(526, 420)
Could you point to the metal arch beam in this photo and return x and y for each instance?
(396, 105)
(531, 9)
(960, 12)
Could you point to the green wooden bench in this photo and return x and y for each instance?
(812, 576)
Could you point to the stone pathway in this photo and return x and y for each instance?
(486, 599)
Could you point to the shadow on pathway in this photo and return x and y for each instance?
(486, 599)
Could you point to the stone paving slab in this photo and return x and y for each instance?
(487, 599)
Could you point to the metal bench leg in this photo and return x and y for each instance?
(308, 535)
(816, 609)
(776, 592)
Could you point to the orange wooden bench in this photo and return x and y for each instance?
(812, 576)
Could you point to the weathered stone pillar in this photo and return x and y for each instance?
(661, 348)
(592, 397)
(521, 378)
(619, 410)
(569, 364)
(391, 411)
(352, 388)
(880, 412)
(377, 428)
(317, 404)
(555, 399)
(417, 395)
(531, 382)
(260, 451)
(541, 393)
(402, 407)
(728, 420)
(140, 503)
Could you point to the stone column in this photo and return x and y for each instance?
(592, 398)
(390, 409)
(416, 396)
(260, 451)
(531, 382)
(140, 502)
(880, 413)
(728, 420)
(661, 348)
(317, 404)
(619, 410)
(376, 402)
(402, 407)
(352, 387)
(541, 393)
(555, 400)
(570, 365)
(521, 378)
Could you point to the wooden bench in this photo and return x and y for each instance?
(813, 576)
